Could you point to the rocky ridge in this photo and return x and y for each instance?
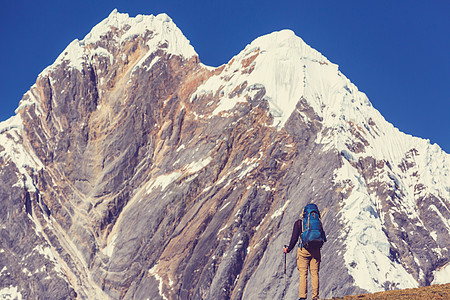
(132, 170)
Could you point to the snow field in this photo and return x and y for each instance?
(11, 292)
(367, 247)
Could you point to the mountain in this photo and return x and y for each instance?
(131, 171)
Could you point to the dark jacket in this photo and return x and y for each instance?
(296, 232)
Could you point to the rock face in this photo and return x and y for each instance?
(133, 171)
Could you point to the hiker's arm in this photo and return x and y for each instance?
(294, 237)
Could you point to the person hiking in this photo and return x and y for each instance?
(308, 229)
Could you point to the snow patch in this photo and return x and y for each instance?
(260, 223)
(267, 188)
(100, 51)
(109, 249)
(29, 99)
(444, 220)
(433, 234)
(11, 292)
(14, 150)
(223, 207)
(280, 211)
(162, 181)
(442, 276)
(14, 122)
(153, 273)
(75, 55)
(367, 247)
(222, 229)
(194, 167)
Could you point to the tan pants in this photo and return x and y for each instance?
(308, 259)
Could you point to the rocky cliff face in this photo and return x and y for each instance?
(133, 171)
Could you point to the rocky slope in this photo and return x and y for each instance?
(131, 171)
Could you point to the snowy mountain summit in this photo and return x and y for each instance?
(133, 170)
(164, 34)
(276, 61)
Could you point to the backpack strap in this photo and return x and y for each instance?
(300, 224)
(309, 217)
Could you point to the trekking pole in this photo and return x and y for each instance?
(285, 280)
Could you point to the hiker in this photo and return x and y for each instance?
(309, 230)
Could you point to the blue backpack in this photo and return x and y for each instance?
(312, 235)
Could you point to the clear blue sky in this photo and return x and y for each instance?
(397, 52)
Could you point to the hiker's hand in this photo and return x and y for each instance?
(285, 250)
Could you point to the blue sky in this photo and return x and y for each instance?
(397, 52)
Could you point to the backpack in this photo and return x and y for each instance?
(312, 235)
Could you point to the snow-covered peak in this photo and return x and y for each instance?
(163, 32)
(162, 26)
(287, 46)
(281, 62)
